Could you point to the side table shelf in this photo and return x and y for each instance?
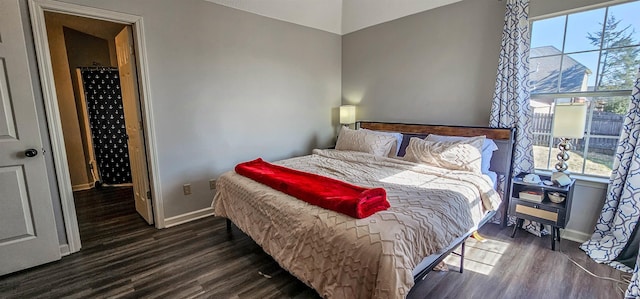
(544, 212)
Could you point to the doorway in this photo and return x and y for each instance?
(126, 53)
(99, 107)
(89, 97)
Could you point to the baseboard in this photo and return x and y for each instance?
(64, 250)
(80, 187)
(575, 235)
(186, 217)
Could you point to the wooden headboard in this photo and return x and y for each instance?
(493, 133)
(502, 159)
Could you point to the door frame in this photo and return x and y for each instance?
(37, 9)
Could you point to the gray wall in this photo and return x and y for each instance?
(404, 69)
(434, 67)
(228, 86)
(439, 67)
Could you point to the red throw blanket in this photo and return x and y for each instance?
(328, 193)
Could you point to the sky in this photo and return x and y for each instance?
(550, 32)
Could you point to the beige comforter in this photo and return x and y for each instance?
(344, 257)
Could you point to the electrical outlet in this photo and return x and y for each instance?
(212, 184)
(186, 189)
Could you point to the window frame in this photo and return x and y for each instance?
(585, 94)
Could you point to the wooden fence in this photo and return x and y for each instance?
(602, 123)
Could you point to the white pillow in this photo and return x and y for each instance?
(396, 146)
(366, 142)
(455, 155)
(488, 147)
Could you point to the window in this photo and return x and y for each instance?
(593, 57)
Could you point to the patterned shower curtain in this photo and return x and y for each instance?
(510, 108)
(621, 209)
(106, 121)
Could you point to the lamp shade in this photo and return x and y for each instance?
(569, 120)
(347, 114)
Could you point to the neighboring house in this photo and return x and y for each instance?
(544, 75)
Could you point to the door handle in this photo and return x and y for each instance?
(32, 152)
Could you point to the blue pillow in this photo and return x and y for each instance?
(488, 147)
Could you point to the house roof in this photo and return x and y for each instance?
(544, 71)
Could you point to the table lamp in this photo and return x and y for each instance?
(569, 121)
(347, 115)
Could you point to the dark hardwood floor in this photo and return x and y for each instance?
(122, 256)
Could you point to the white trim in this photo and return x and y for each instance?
(186, 217)
(81, 187)
(147, 115)
(37, 9)
(64, 250)
(55, 126)
(574, 235)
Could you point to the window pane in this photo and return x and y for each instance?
(578, 72)
(547, 33)
(541, 123)
(541, 129)
(607, 123)
(544, 74)
(606, 120)
(541, 156)
(618, 68)
(623, 19)
(600, 156)
(584, 31)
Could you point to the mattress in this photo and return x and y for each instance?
(344, 257)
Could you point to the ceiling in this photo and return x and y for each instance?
(336, 16)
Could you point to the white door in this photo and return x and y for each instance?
(133, 121)
(27, 227)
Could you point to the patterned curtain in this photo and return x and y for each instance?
(621, 209)
(510, 108)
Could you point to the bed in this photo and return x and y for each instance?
(433, 210)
